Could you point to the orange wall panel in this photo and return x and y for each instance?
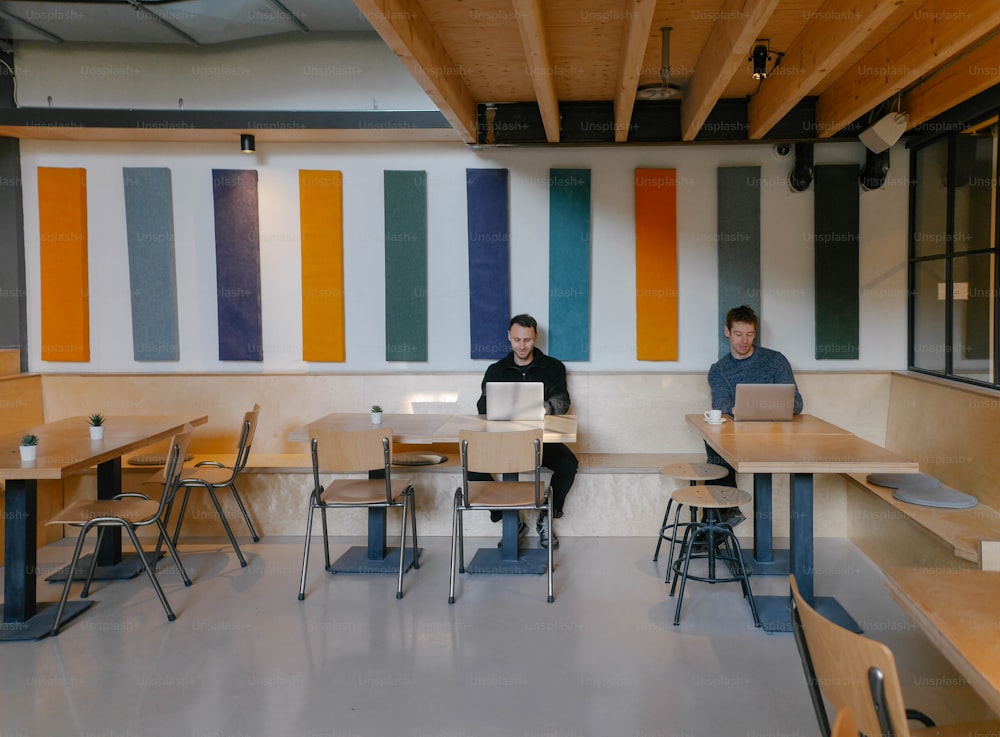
(62, 220)
(656, 264)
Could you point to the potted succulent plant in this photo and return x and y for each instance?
(376, 414)
(29, 447)
(96, 426)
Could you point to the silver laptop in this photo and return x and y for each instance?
(774, 402)
(515, 400)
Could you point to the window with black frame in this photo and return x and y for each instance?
(953, 265)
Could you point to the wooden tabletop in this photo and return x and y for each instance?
(959, 611)
(796, 426)
(435, 428)
(65, 447)
(807, 444)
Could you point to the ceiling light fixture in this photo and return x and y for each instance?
(664, 90)
(762, 57)
(247, 143)
(882, 134)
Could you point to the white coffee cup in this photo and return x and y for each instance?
(713, 415)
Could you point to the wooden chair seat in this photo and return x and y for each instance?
(495, 494)
(133, 511)
(215, 475)
(710, 496)
(362, 491)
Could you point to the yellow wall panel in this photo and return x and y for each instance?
(321, 212)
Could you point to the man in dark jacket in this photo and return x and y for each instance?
(526, 362)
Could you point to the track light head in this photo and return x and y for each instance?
(247, 143)
(759, 59)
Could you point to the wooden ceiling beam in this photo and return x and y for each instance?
(961, 79)
(936, 31)
(540, 69)
(836, 29)
(637, 38)
(726, 51)
(406, 30)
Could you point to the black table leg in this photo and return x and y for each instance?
(23, 617)
(775, 611)
(763, 559)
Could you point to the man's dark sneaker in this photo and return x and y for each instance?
(522, 530)
(545, 533)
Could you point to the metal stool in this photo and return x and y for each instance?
(710, 531)
(693, 473)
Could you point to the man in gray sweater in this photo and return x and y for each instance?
(745, 363)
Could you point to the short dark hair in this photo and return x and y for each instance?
(525, 321)
(743, 313)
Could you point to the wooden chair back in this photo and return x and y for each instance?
(173, 470)
(352, 451)
(247, 433)
(500, 452)
(853, 672)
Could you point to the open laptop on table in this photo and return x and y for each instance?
(515, 400)
(772, 402)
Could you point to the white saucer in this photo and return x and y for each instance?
(721, 421)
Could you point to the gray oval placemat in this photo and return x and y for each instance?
(942, 496)
(912, 480)
(418, 459)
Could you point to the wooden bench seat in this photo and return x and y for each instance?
(961, 531)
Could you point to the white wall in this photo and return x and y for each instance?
(787, 250)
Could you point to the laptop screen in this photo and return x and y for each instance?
(515, 400)
(774, 402)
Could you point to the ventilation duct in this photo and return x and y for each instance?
(801, 175)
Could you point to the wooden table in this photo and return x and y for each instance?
(805, 446)
(957, 610)
(64, 449)
(439, 428)
(422, 429)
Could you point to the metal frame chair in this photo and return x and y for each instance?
(213, 475)
(859, 674)
(345, 452)
(498, 453)
(130, 512)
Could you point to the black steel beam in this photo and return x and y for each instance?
(250, 120)
(659, 121)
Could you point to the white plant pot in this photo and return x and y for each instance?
(96, 432)
(29, 452)
(376, 418)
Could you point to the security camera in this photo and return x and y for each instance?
(783, 149)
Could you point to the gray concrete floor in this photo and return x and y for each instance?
(245, 658)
